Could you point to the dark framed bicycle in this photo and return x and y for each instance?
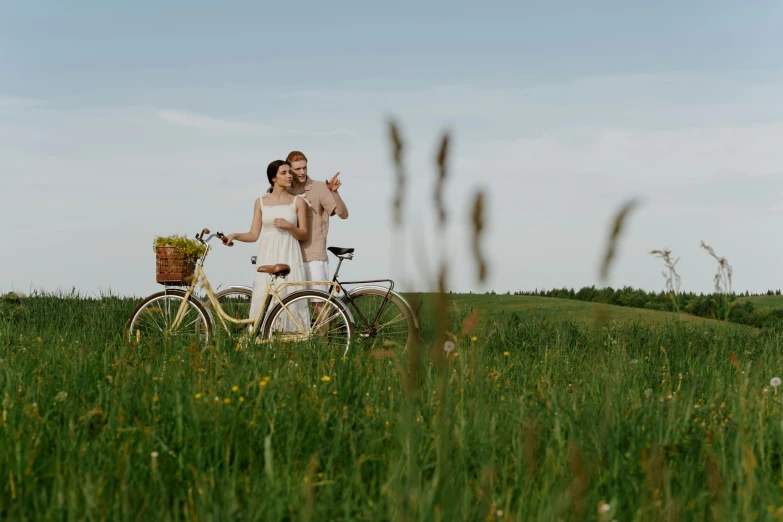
(382, 317)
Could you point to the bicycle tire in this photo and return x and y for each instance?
(397, 311)
(202, 321)
(237, 291)
(337, 335)
(235, 302)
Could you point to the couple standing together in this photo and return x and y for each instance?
(292, 220)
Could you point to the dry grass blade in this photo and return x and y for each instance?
(670, 274)
(735, 362)
(614, 235)
(602, 310)
(470, 323)
(579, 482)
(477, 219)
(722, 280)
(441, 318)
(441, 180)
(725, 272)
(400, 178)
(530, 446)
(308, 488)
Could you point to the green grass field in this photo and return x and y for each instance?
(537, 415)
(565, 309)
(769, 302)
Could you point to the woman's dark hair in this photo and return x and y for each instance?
(271, 172)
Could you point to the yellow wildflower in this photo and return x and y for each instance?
(505, 354)
(326, 378)
(226, 401)
(262, 384)
(197, 396)
(241, 399)
(474, 339)
(235, 388)
(155, 399)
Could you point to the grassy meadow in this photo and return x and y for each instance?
(770, 302)
(538, 414)
(562, 309)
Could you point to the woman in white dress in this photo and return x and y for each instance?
(280, 220)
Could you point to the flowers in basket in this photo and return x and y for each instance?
(175, 258)
(192, 248)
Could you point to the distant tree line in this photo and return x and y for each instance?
(714, 306)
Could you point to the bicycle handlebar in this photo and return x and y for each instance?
(218, 234)
(224, 239)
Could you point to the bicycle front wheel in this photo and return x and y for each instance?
(311, 316)
(155, 316)
(378, 317)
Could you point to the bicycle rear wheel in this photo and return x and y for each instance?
(235, 301)
(395, 326)
(153, 318)
(329, 326)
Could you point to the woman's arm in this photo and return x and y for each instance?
(298, 231)
(255, 228)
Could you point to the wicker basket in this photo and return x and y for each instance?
(173, 266)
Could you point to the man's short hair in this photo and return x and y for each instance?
(295, 155)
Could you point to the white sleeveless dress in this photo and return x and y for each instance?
(279, 246)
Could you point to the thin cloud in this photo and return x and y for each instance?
(195, 120)
(339, 131)
(15, 101)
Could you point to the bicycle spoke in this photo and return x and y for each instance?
(398, 319)
(381, 317)
(194, 321)
(325, 323)
(155, 318)
(327, 320)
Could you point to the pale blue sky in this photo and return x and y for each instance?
(120, 121)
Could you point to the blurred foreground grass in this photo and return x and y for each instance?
(533, 416)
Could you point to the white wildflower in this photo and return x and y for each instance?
(448, 346)
(775, 382)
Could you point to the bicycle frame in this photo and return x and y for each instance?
(200, 280)
(346, 295)
(386, 298)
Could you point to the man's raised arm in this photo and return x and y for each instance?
(339, 205)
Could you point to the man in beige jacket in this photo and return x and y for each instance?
(324, 201)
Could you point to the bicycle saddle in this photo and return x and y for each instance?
(278, 270)
(340, 251)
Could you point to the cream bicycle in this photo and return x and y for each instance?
(381, 316)
(290, 318)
